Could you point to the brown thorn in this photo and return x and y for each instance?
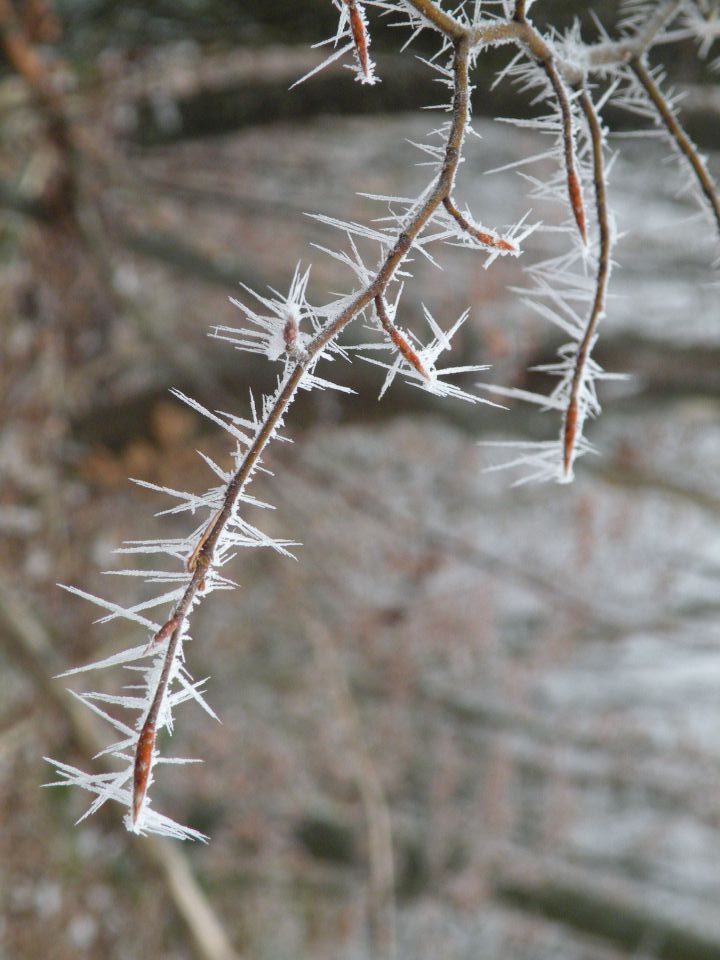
(192, 561)
(398, 339)
(360, 38)
(143, 765)
(485, 238)
(569, 434)
(574, 185)
(576, 202)
(164, 632)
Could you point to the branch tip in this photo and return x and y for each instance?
(487, 239)
(142, 767)
(398, 339)
(361, 41)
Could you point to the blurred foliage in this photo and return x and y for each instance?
(94, 24)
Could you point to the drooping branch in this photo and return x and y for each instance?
(574, 186)
(203, 561)
(573, 411)
(666, 117)
(565, 68)
(545, 57)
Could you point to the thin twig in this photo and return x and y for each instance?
(667, 118)
(574, 186)
(547, 60)
(603, 55)
(236, 485)
(480, 235)
(603, 273)
(398, 339)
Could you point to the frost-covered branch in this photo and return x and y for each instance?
(547, 60)
(568, 289)
(666, 116)
(578, 404)
(482, 236)
(224, 530)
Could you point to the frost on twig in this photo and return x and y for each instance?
(288, 330)
(555, 89)
(419, 365)
(562, 288)
(570, 290)
(644, 96)
(301, 338)
(352, 28)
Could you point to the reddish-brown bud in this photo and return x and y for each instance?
(165, 631)
(143, 764)
(569, 432)
(290, 333)
(576, 202)
(360, 38)
(192, 560)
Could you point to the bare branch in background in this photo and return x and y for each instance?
(381, 861)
